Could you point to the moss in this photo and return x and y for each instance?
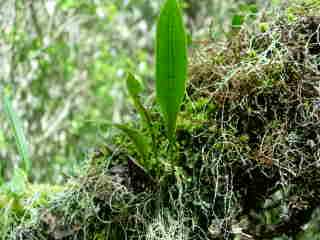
(247, 150)
(22, 208)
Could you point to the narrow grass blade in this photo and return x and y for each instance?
(171, 63)
(19, 136)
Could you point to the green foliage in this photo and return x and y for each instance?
(171, 63)
(66, 59)
(19, 136)
(137, 138)
(135, 88)
(73, 70)
(11, 204)
(171, 75)
(224, 170)
(244, 12)
(237, 20)
(17, 186)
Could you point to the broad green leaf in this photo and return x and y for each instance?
(171, 63)
(137, 138)
(19, 136)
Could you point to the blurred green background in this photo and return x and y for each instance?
(64, 62)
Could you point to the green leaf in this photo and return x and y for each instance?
(19, 136)
(237, 20)
(134, 86)
(171, 63)
(134, 89)
(140, 141)
(137, 138)
(189, 39)
(2, 167)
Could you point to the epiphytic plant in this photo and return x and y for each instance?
(171, 77)
(171, 63)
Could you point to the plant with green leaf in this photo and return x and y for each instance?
(19, 136)
(171, 77)
(171, 63)
(14, 189)
(135, 88)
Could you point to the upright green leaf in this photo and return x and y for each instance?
(135, 88)
(171, 63)
(19, 136)
(237, 21)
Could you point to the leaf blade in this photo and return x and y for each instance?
(171, 63)
(133, 85)
(135, 88)
(137, 138)
(19, 136)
